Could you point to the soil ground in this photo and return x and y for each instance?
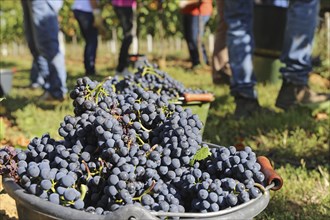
(7, 205)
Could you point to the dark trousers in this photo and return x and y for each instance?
(126, 17)
(89, 33)
(191, 31)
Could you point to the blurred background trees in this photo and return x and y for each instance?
(150, 20)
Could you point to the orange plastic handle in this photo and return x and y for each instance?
(207, 97)
(270, 174)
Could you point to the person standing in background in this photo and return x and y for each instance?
(88, 15)
(126, 12)
(195, 15)
(296, 55)
(39, 70)
(42, 28)
(220, 60)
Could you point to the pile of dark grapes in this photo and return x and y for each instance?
(153, 79)
(134, 147)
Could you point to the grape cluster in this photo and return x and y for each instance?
(153, 79)
(8, 162)
(126, 144)
(88, 95)
(224, 179)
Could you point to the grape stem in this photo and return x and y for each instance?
(88, 171)
(144, 128)
(83, 189)
(145, 192)
(139, 139)
(150, 70)
(53, 186)
(102, 165)
(151, 150)
(129, 144)
(98, 91)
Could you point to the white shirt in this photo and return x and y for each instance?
(56, 5)
(82, 5)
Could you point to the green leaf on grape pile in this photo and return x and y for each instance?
(201, 154)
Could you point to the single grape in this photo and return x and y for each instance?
(231, 199)
(67, 181)
(54, 198)
(46, 184)
(203, 194)
(70, 194)
(33, 171)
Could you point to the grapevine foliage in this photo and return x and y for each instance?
(150, 20)
(201, 154)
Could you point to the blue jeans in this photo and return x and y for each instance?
(126, 16)
(191, 30)
(43, 38)
(296, 53)
(39, 70)
(89, 32)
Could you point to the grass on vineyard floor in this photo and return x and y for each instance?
(296, 143)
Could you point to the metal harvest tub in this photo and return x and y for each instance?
(6, 77)
(32, 207)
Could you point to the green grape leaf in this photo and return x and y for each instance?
(2, 99)
(201, 154)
